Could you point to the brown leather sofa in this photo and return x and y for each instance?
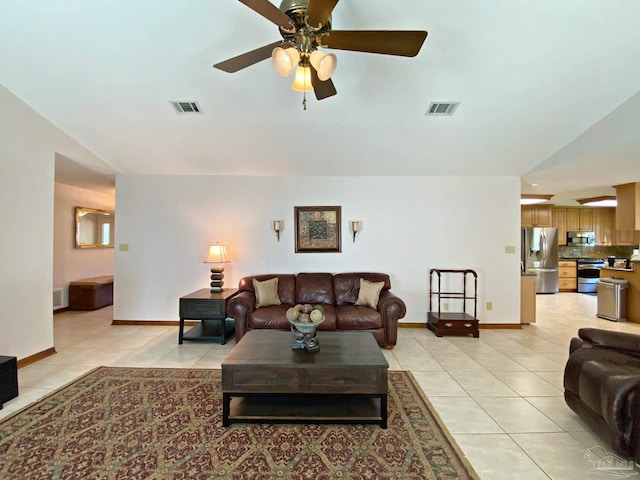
(602, 383)
(337, 293)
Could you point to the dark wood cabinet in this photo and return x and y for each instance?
(8, 378)
(210, 308)
(458, 322)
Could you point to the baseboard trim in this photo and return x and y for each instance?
(23, 362)
(60, 310)
(154, 323)
(507, 326)
(503, 326)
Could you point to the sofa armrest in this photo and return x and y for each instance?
(239, 307)
(620, 341)
(391, 308)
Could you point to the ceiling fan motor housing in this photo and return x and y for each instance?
(297, 11)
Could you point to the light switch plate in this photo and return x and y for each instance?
(123, 247)
(509, 249)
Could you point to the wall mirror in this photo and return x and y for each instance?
(95, 228)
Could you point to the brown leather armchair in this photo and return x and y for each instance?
(602, 383)
(336, 293)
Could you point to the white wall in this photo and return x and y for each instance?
(70, 263)
(410, 224)
(28, 144)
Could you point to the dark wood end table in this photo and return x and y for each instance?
(264, 380)
(211, 309)
(8, 378)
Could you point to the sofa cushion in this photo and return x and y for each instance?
(355, 317)
(330, 319)
(314, 288)
(369, 293)
(266, 292)
(347, 285)
(274, 316)
(270, 317)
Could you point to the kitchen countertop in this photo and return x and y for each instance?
(619, 269)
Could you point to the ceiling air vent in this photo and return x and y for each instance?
(442, 108)
(186, 107)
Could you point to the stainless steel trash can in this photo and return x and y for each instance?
(612, 299)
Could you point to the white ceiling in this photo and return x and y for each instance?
(549, 90)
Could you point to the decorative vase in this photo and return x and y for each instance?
(305, 335)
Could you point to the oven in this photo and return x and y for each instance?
(589, 274)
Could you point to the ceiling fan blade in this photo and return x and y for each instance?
(321, 89)
(390, 42)
(245, 60)
(319, 11)
(269, 11)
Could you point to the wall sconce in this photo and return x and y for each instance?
(278, 226)
(217, 255)
(355, 228)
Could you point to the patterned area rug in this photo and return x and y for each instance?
(140, 423)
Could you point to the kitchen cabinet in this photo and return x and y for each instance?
(580, 219)
(627, 237)
(559, 221)
(604, 225)
(567, 276)
(528, 298)
(535, 215)
(628, 210)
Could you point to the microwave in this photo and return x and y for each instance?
(581, 239)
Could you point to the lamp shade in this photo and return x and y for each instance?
(302, 81)
(324, 64)
(284, 60)
(217, 254)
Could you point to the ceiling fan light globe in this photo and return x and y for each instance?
(282, 62)
(327, 67)
(315, 58)
(302, 80)
(293, 54)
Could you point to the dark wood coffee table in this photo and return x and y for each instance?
(264, 380)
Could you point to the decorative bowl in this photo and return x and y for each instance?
(306, 327)
(305, 335)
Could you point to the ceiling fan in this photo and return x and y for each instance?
(305, 25)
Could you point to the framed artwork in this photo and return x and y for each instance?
(317, 229)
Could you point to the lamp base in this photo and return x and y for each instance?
(217, 274)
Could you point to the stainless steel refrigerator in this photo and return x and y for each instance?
(540, 256)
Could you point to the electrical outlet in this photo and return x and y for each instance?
(489, 305)
(509, 249)
(123, 247)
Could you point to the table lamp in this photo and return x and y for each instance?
(217, 255)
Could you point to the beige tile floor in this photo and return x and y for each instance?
(500, 395)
